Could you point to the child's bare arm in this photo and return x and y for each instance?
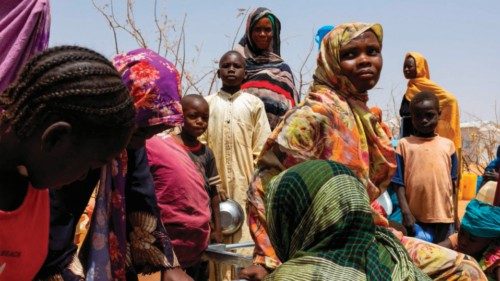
(408, 218)
(455, 205)
(214, 202)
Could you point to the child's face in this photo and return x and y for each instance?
(470, 244)
(410, 68)
(232, 70)
(361, 61)
(196, 116)
(425, 116)
(262, 34)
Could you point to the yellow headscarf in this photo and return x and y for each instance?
(449, 120)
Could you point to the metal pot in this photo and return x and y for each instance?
(232, 216)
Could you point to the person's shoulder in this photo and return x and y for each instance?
(251, 98)
(445, 141)
(405, 140)
(208, 151)
(211, 96)
(447, 144)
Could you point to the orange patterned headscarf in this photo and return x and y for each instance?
(334, 122)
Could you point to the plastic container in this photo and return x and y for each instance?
(385, 201)
(468, 184)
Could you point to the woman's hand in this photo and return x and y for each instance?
(176, 274)
(253, 273)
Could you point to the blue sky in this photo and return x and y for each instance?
(460, 39)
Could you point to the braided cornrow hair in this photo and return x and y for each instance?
(70, 83)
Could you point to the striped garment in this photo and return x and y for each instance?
(268, 76)
(321, 226)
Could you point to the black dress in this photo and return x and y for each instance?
(406, 125)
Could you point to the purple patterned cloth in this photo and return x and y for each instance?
(154, 84)
(24, 32)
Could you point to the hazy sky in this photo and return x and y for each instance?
(459, 38)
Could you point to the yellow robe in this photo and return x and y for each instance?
(237, 130)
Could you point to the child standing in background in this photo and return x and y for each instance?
(427, 171)
(236, 133)
(196, 116)
(196, 113)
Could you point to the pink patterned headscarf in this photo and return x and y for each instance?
(154, 84)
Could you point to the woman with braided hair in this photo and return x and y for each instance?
(67, 113)
(126, 236)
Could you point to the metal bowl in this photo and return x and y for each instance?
(231, 216)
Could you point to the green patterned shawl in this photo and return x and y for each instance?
(321, 226)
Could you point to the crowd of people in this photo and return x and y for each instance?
(115, 141)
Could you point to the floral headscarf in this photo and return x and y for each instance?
(356, 139)
(154, 84)
(332, 123)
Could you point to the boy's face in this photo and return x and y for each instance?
(410, 68)
(196, 116)
(425, 116)
(231, 70)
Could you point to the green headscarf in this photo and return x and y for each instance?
(321, 226)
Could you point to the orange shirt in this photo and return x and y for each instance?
(24, 236)
(426, 168)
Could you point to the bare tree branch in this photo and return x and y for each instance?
(183, 38)
(180, 38)
(110, 22)
(301, 73)
(212, 83)
(157, 24)
(240, 13)
(132, 24)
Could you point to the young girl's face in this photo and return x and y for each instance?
(361, 61)
(410, 68)
(262, 34)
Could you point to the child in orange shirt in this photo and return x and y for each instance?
(426, 174)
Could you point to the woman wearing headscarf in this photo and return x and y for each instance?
(334, 123)
(126, 236)
(416, 70)
(268, 76)
(479, 234)
(321, 226)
